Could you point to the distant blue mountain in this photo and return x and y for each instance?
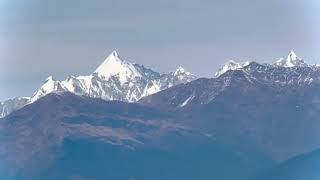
(302, 167)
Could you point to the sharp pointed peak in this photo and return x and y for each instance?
(108, 66)
(113, 56)
(180, 69)
(292, 56)
(115, 65)
(292, 60)
(50, 78)
(292, 52)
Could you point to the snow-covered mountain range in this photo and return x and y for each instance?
(291, 72)
(117, 79)
(291, 61)
(114, 79)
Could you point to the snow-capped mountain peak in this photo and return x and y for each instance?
(230, 65)
(114, 65)
(292, 60)
(292, 55)
(180, 70)
(50, 85)
(50, 78)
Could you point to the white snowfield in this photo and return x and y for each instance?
(114, 79)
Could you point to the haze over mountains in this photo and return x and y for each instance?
(244, 123)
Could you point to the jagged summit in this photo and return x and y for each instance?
(50, 78)
(292, 55)
(114, 65)
(180, 71)
(292, 60)
(230, 65)
(50, 85)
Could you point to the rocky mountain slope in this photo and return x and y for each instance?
(65, 136)
(274, 106)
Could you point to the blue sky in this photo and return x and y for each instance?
(40, 38)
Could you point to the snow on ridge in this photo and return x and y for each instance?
(117, 79)
(231, 65)
(292, 60)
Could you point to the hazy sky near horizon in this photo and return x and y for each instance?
(40, 38)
